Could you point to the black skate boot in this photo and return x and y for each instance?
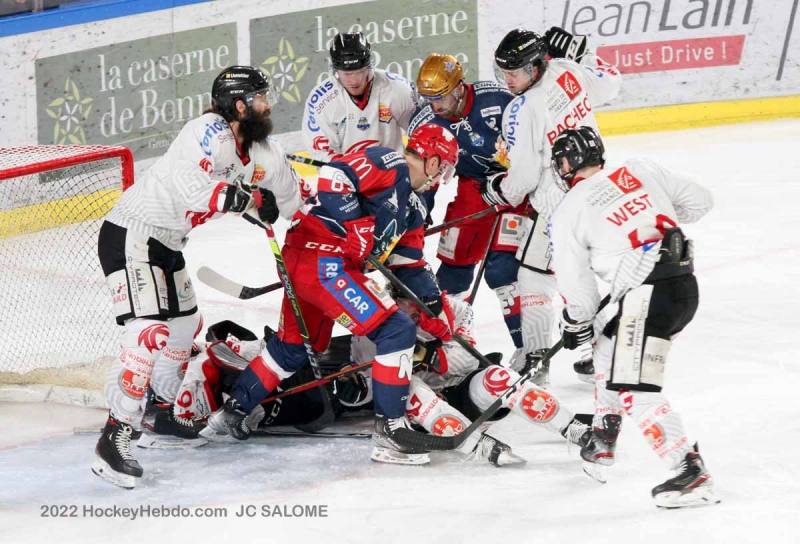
(585, 370)
(692, 486)
(167, 431)
(386, 448)
(575, 431)
(540, 370)
(114, 462)
(597, 447)
(228, 420)
(497, 453)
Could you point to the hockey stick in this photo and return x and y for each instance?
(289, 290)
(448, 224)
(408, 293)
(316, 383)
(482, 267)
(441, 443)
(301, 434)
(217, 281)
(305, 160)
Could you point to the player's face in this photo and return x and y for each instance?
(446, 107)
(354, 81)
(518, 80)
(256, 126)
(410, 308)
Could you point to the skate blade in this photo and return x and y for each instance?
(597, 472)
(214, 436)
(508, 458)
(104, 471)
(701, 496)
(161, 442)
(392, 457)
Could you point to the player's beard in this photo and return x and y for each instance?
(255, 127)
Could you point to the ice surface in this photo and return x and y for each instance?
(733, 375)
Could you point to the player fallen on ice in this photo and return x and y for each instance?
(361, 211)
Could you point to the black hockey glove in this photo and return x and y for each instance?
(221, 330)
(491, 192)
(575, 333)
(237, 199)
(266, 205)
(563, 45)
(352, 389)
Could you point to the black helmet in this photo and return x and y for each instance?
(350, 52)
(581, 147)
(237, 83)
(521, 49)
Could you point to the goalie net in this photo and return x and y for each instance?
(57, 331)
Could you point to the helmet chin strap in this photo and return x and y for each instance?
(429, 179)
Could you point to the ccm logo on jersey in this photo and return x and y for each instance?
(330, 248)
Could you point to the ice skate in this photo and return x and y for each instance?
(597, 447)
(166, 431)
(114, 462)
(496, 452)
(386, 448)
(227, 421)
(691, 486)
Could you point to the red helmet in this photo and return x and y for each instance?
(429, 140)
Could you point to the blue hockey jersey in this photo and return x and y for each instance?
(477, 132)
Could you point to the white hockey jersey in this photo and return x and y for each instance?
(179, 192)
(612, 224)
(565, 97)
(334, 125)
(459, 361)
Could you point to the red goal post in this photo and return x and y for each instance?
(57, 332)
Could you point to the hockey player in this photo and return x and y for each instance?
(473, 113)
(361, 212)
(359, 107)
(207, 171)
(552, 95)
(451, 387)
(622, 224)
(211, 375)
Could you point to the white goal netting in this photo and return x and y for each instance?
(56, 322)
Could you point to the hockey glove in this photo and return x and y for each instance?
(266, 205)
(307, 191)
(353, 390)
(360, 237)
(491, 192)
(575, 333)
(435, 326)
(236, 199)
(563, 45)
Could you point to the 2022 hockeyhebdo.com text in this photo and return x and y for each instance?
(90, 511)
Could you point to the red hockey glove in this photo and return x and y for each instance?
(360, 237)
(435, 326)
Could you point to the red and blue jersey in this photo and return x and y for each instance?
(373, 182)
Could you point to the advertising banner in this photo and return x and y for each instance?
(292, 49)
(689, 51)
(138, 94)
